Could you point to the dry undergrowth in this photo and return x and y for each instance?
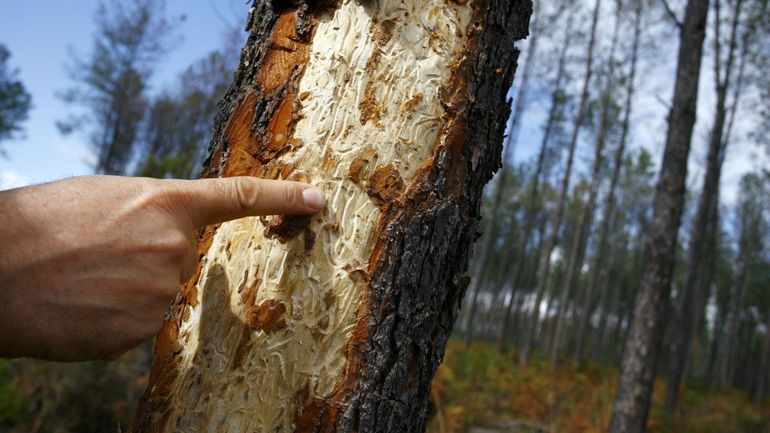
(482, 387)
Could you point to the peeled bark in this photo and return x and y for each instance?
(638, 367)
(337, 323)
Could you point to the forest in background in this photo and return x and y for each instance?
(568, 236)
(557, 270)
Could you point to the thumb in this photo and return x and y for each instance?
(212, 201)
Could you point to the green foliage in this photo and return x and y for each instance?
(15, 101)
(11, 401)
(177, 127)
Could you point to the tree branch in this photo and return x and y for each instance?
(671, 14)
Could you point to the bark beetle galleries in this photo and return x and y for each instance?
(236, 150)
(341, 332)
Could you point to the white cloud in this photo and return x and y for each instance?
(10, 179)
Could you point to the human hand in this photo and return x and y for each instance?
(88, 265)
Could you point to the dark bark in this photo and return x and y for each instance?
(544, 269)
(638, 366)
(502, 178)
(701, 235)
(415, 281)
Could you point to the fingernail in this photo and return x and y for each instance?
(313, 198)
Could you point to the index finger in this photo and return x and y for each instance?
(212, 201)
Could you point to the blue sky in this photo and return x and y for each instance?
(39, 35)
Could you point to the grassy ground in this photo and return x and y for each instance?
(482, 387)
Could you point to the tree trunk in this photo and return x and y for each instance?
(610, 294)
(518, 111)
(637, 372)
(609, 299)
(520, 315)
(700, 235)
(586, 218)
(598, 268)
(764, 363)
(716, 339)
(530, 210)
(544, 269)
(703, 290)
(729, 342)
(337, 323)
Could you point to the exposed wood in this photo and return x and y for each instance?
(337, 323)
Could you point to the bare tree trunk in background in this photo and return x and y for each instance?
(598, 273)
(530, 211)
(337, 323)
(716, 340)
(585, 220)
(764, 363)
(502, 178)
(723, 312)
(610, 298)
(520, 315)
(744, 375)
(544, 270)
(700, 235)
(726, 360)
(703, 286)
(637, 372)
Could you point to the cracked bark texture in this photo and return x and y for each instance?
(337, 323)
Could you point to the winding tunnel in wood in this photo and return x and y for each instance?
(337, 322)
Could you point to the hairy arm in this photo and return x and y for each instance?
(89, 264)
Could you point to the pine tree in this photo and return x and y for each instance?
(638, 367)
(111, 84)
(15, 101)
(337, 323)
